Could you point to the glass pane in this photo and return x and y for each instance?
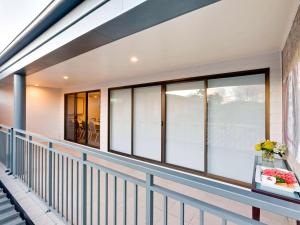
(70, 117)
(94, 118)
(120, 120)
(147, 122)
(185, 125)
(80, 118)
(236, 122)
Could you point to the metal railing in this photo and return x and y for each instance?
(85, 186)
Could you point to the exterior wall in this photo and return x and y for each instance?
(6, 104)
(272, 61)
(44, 110)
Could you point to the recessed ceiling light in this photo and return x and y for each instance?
(66, 77)
(134, 59)
(36, 85)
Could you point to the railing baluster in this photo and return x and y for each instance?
(99, 195)
(125, 203)
(43, 173)
(62, 186)
(181, 213)
(135, 204)
(77, 193)
(46, 174)
(224, 221)
(165, 210)
(201, 217)
(91, 197)
(58, 180)
(115, 200)
(83, 190)
(14, 153)
(72, 192)
(50, 174)
(149, 199)
(106, 198)
(54, 180)
(39, 171)
(67, 188)
(35, 168)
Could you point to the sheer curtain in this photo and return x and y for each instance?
(291, 92)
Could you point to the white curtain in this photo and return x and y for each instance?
(291, 92)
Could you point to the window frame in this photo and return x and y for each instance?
(162, 162)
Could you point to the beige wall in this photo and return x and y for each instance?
(44, 110)
(6, 104)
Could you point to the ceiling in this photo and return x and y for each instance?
(226, 30)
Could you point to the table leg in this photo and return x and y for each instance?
(256, 213)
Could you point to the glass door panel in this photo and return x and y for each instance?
(185, 124)
(80, 123)
(70, 117)
(120, 120)
(94, 119)
(147, 122)
(236, 122)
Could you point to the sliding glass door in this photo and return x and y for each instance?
(70, 117)
(82, 118)
(147, 122)
(185, 124)
(207, 125)
(236, 121)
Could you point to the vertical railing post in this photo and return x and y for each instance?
(149, 199)
(14, 154)
(50, 146)
(84, 190)
(7, 151)
(30, 164)
(11, 150)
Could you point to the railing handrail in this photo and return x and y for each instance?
(278, 206)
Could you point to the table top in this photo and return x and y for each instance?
(259, 188)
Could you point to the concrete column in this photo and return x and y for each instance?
(19, 101)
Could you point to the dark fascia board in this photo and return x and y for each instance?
(145, 15)
(61, 9)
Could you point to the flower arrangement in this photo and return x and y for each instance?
(269, 148)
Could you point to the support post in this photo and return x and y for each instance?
(84, 190)
(149, 199)
(19, 101)
(19, 111)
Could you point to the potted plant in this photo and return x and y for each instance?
(270, 148)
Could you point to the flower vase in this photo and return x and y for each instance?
(268, 156)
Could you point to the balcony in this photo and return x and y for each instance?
(148, 113)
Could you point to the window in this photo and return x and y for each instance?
(82, 118)
(205, 125)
